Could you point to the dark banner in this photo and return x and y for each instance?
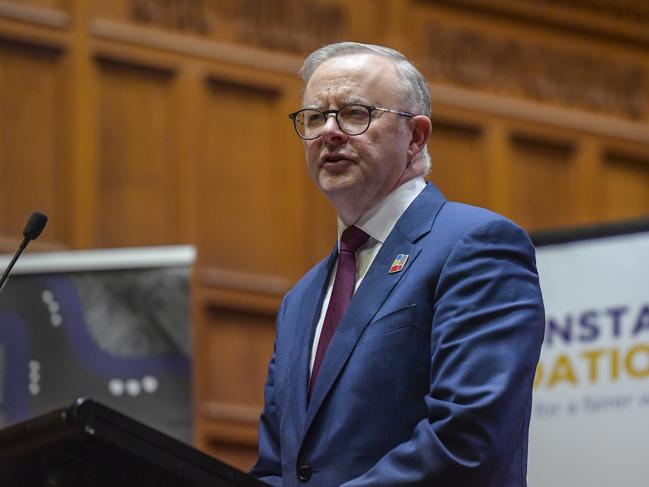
(120, 336)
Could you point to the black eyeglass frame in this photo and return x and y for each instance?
(326, 113)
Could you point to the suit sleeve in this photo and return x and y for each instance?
(268, 467)
(486, 334)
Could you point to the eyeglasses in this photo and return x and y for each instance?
(352, 119)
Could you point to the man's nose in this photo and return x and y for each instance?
(331, 130)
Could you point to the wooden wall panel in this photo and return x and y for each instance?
(242, 224)
(138, 195)
(234, 346)
(240, 190)
(32, 138)
(626, 186)
(542, 182)
(245, 341)
(459, 161)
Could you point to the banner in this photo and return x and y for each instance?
(108, 324)
(590, 415)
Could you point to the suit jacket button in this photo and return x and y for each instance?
(304, 472)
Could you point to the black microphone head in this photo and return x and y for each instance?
(35, 225)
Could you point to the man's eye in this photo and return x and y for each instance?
(313, 119)
(355, 113)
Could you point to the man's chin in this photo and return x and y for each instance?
(339, 185)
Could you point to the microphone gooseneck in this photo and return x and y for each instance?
(32, 230)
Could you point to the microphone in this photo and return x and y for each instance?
(32, 230)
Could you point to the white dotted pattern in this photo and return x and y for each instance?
(116, 387)
(53, 307)
(133, 387)
(34, 377)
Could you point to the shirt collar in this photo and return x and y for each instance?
(380, 220)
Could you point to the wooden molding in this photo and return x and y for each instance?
(237, 413)
(134, 59)
(602, 125)
(228, 424)
(542, 142)
(613, 20)
(48, 17)
(33, 35)
(620, 155)
(182, 44)
(465, 127)
(244, 281)
(237, 300)
(536, 70)
(264, 85)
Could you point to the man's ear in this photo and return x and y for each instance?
(421, 129)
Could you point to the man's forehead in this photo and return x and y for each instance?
(355, 64)
(349, 78)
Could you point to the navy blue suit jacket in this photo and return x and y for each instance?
(428, 378)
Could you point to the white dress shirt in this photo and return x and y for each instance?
(377, 223)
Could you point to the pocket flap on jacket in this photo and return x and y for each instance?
(390, 321)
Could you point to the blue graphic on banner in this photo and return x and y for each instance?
(90, 334)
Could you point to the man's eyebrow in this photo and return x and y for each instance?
(354, 100)
(350, 100)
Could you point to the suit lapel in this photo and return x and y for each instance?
(300, 351)
(374, 290)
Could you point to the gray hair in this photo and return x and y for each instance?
(414, 87)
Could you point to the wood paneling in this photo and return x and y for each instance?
(626, 185)
(45, 12)
(542, 182)
(240, 188)
(32, 138)
(136, 122)
(138, 195)
(234, 345)
(245, 341)
(459, 162)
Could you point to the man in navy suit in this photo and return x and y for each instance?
(406, 357)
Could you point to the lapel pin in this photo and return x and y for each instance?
(398, 263)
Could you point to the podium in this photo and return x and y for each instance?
(89, 444)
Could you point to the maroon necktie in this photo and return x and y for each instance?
(351, 240)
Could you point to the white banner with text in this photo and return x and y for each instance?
(590, 415)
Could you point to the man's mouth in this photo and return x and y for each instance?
(332, 159)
